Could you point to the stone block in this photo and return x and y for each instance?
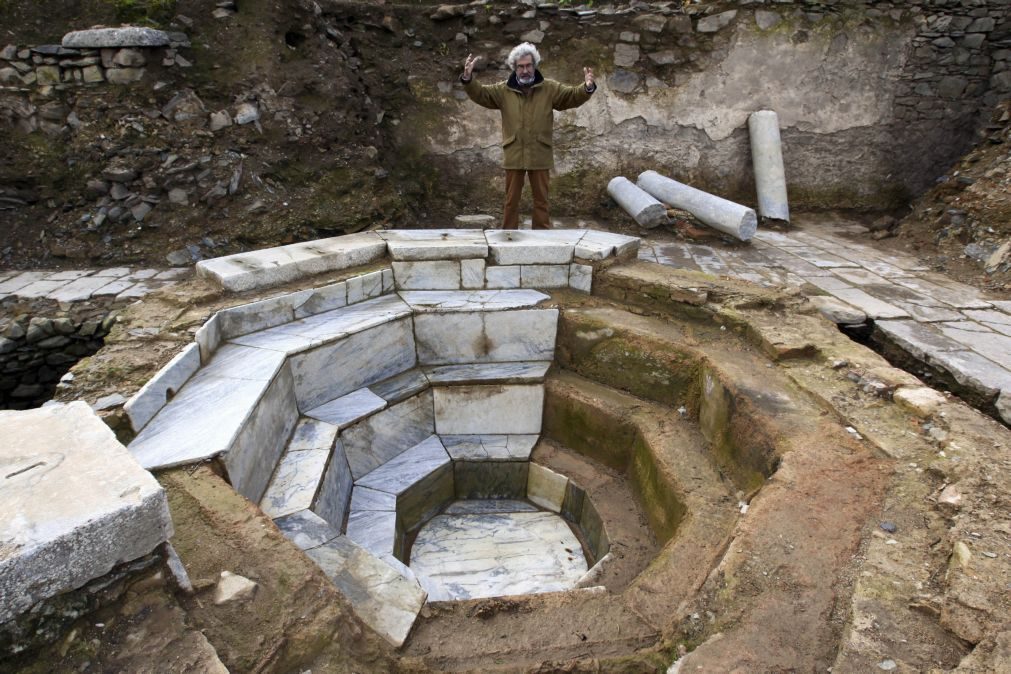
(363, 498)
(306, 529)
(45, 75)
(920, 400)
(312, 434)
(546, 488)
(581, 277)
(714, 22)
(295, 482)
(472, 273)
(334, 497)
(490, 479)
(435, 244)
(376, 531)
(126, 36)
(348, 409)
(489, 409)
(426, 497)
(153, 396)
(544, 276)
(384, 599)
(365, 287)
(526, 247)
(489, 447)
(124, 75)
(625, 55)
(872, 306)
(499, 373)
(256, 316)
(375, 441)
(503, 277)
(401, 386)
(75, 504)
(322, 299)
(448, 301)
(427, 275)
(208, 338)
(486, 337)
(595, 245)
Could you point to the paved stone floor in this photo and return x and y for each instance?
(947, 324)
(120, 283)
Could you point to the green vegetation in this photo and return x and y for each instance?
(152, 12)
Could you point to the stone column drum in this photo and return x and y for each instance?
(767, 159)
(646, 210)
(726, 216)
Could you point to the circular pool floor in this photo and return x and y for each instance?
(478, 549)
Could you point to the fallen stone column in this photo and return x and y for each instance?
(646, 210)
(767, 159)
(720, 214)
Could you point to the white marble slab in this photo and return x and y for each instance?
(486, 506)
(444, 301)
(312, 434)
(401, 386)
(489, 447)
(323, 299)
(383, 598)
(544, 275)
(365, 287)
(335, 491)
(294, 483)
(596, 245)
(378, 439)
(508, 410)
(496, 554)
(486, 337)
(475, 373)
(346, 410)
(306, 529)
(503, 277)
(407, 468)
(208, 338)
(581, 277)
(256, 316)
(527, 247)
(472, 274)
(337, 368)
(251, 458)
(374, 530)
(435, 244)
(319, 329)
(363, 498)
(204, 418)
(273, 266)
(427, 275)
(153, 395)
(546, 488)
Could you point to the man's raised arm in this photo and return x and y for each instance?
(480, 94)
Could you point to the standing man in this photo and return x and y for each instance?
(526, 101)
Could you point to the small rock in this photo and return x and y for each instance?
(178, 195)
(119, 174)
(961, 555)
(889, 527)
(7, 345)
(129, 58)
(921, 401)
(108, 402)
(247, 113)
(124, 75)
(233, 587)
(766, 20)
(220, 120)
(140, 211)
(887, 665)
(838, 311)
(950, 496)
(178, 258)
(883, 223)
(1000, 258)
(711, 24)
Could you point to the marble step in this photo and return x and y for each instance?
(435, 244)
(296, 480)
(489, 447)
(454, 301)
(407, 468)
(487, 373)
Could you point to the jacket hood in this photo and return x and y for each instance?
(514, 84)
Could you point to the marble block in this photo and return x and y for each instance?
(472, 273)
(427, 275)
(383, 598)
(374, 530)
(435, 244)
(340, 367)
(503, 277)
(446, 301)
(346, 410)
(401, 386)
(74, 504)
(388, 283)
(251, 458)
(365, 287)
(205, 416)
(496, 554)
(492, 409)
(477, 373)
(255, 316)
(592, 526)
(319, 329)
(544, 275)
(295, 482)
(378, 439)
(312, 434)
(407, 468)
(597, 245)
(153, 395)
(581, 277)
(273, 266)
(486, 337)
(208, 338)
(525, 247)
(483, 507)
(425, 498)
(490, 479)
(306, 529)
(333, 501)
(323, 299)
(546, 488)
(489, 447)
(363, 498)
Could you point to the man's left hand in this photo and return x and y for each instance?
(588, 78)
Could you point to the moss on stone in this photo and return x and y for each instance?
(663, 507)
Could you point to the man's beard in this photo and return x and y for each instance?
(525, 79)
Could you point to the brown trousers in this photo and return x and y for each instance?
(514, 188)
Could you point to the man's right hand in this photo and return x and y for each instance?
(468, 67)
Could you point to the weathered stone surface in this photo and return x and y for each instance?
(74, 504)
(427, 275)
(507, 409)
(233, 587)
(151, 397)
(838, 311)
(546, 488)
(712, 23)
(126, 36)
(921, 401)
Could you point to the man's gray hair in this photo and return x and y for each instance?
(521, 50)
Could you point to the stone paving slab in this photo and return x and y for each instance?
(78, 285)
(346, 410)
(489, 447)
(443, 301)
(476, 373)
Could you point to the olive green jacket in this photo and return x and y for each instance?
(527, 120)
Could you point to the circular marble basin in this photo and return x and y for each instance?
(494, 548)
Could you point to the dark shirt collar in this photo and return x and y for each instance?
(515, 85)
